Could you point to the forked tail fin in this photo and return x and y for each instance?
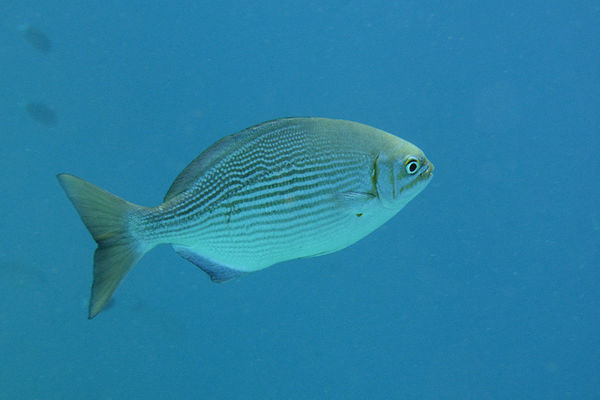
(107, 218)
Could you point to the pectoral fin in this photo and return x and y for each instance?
(355, 202)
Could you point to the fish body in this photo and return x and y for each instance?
(277, 191)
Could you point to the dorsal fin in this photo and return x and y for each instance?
(219, 150)
(203, 162)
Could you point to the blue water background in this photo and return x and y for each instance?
(486, 286)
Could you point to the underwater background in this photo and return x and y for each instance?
(486, 286)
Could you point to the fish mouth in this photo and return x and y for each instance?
(425, 175)
(427, 171)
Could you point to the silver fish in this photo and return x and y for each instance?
(280, 190)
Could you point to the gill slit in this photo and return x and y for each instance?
(375, 176)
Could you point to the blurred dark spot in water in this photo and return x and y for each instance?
(36, 38)
(41, 113)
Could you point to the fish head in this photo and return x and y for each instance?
(402, 171)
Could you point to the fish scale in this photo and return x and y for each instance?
(280, 190)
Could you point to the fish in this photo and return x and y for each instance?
(284, 189)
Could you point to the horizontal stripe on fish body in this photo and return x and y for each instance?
(278, 188)
(231, 178)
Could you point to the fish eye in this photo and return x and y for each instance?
(412, 165)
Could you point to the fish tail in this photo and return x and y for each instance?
(107, 217)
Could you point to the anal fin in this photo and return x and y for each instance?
(217, 272)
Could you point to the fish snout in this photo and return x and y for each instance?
(428, 169)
